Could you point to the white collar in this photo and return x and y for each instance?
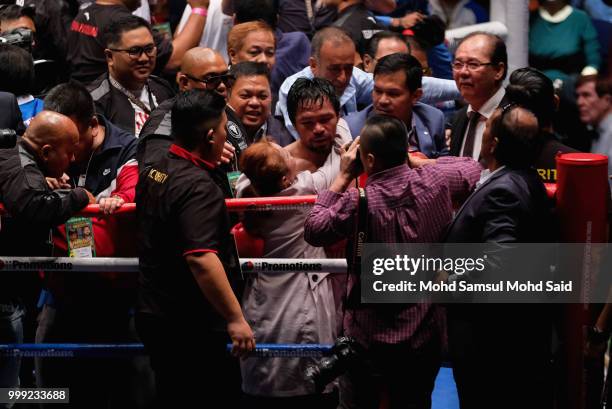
(487, 109)
(559, 17)
(485, 175)
(24, 99)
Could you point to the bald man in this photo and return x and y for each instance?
(201, 68)
(509, 205)
(46, 149)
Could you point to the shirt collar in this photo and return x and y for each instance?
(486, 174)
(561, 15)
(387, 174)
(185, 154)
(605, 125)
(487, 109)
(24, 99)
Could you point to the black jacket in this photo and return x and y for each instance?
(10, 115)
(116, 107)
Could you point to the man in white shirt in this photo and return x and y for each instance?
(333, 56)
(479, 70)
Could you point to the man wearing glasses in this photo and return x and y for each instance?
(201, 68)
(479, 69)
(127, 93)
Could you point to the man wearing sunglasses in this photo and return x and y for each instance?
(127, 93)
(201, 68)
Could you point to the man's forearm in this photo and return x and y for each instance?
(210, 276)
(341, 183)
(187, 39)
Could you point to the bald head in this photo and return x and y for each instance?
(199, 64)
(53, 137)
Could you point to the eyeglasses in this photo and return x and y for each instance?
(427, 71)
(135, 52)
(213, 81)
(471, 65)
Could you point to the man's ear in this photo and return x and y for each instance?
(367, 61)
(500, 74)
(93, 124)
(370, 161)
(313, 65)
(494, 145)
(182, 81)
(232, 55)
(416, 95)
(210, 136)
(45, 151)
(109, 55)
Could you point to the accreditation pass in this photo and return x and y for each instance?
(32, 395)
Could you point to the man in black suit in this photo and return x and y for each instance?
(479, 68)
(11, 115)
(499, 352)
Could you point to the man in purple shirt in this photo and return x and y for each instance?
(405, 205)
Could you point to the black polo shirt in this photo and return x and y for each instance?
(181, 211)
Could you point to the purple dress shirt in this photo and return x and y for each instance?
(404, 206)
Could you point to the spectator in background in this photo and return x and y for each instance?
(46, 150)
(563, 42)
(202, 68)
(86, 45)
(458, 13)
(251, 99)
(479, 69)
(332, 59)
(418, 52)
(252, 41)
(76, 307)
(292, 49)
(127, 93)
(17, 77)
(397, 90)
(13, 16)
(594, 99)
(381, 44)
(534, 91)
(403, 345)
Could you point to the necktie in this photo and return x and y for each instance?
(470, 137)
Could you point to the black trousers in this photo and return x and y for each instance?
(401, 375)
(190, 363)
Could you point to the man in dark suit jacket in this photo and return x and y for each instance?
(397, 88)
(479, 69)
(500, 352)
(11, 115)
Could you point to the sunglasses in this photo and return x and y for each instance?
(135, 52)
(213, 81)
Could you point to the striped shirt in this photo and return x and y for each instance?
(404, 206)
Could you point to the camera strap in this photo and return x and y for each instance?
(353, 297)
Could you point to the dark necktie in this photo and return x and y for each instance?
(470, 137)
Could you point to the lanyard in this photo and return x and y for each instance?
(132, 98)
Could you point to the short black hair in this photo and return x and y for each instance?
(533, 90)
(250, 69)
(499, 54)
(372, 46)
(519, 144)
(195, 112)
(71, 99)
(112, 34)
(10, 12)
(385, 137)
(253, 10)
(16, 70)
(393, 63)
(305, 91)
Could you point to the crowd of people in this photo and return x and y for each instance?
(177, 106)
